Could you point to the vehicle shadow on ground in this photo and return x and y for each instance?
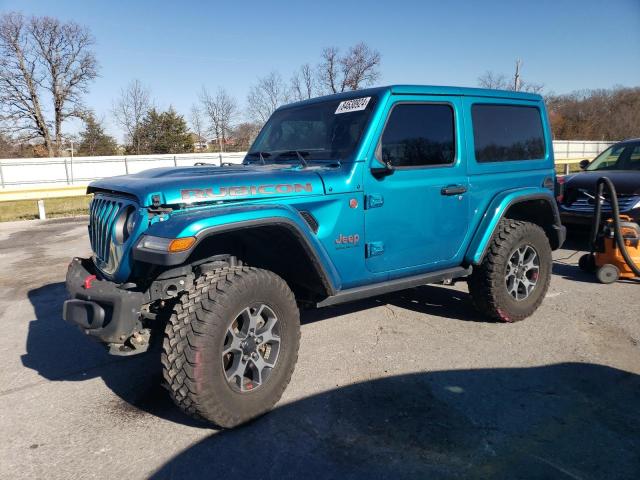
(558, 421)
(60, 352)
(566, 264)
(434, 300)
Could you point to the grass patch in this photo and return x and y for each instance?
(573, 168)
(54, 207)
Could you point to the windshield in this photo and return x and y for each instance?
(624, 156)
(328, 130)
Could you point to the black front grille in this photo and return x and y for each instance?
(583, 203)
(102, 216)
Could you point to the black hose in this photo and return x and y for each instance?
(615, 210)
(597, 215)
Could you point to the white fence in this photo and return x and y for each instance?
(51, 172)
(41, 172)
(567, 149)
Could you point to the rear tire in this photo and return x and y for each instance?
(513, 279)
(204, 325)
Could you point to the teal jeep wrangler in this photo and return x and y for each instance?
(339, 198)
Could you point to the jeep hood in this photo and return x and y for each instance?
(627, 182)
(214, 184)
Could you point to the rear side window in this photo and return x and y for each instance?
(634, 159)
(419, 135)
(503, 133)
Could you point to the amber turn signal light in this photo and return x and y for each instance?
(181, 244)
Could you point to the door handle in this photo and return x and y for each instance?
(453, 190)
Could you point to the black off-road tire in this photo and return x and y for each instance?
(487, 284)
(195, 335)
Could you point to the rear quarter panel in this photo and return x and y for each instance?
(494, 185)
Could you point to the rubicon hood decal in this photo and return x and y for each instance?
(215, 184)
(200, 194)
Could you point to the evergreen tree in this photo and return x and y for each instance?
(164, 132)
(93, 140)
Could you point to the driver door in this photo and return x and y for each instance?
(417, 213)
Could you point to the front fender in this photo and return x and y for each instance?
(494, 213)
(203, 223)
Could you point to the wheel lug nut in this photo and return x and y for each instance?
(245, 357)
(254, 355)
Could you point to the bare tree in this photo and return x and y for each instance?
(266, 96)
(499, 81)
(360, 67)
(45, 68)
(356, 69)
(306, 72)
(612, 114)
(221, 110)
(198, 126)
(130, 109)
(531, 87)
(493, 80)
(245, 133)
(328, 70)
(302, 83)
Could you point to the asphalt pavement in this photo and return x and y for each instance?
(408, 385)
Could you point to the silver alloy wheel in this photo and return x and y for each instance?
(523, 269)
(251, 348)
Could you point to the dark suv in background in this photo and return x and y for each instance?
(621, 163)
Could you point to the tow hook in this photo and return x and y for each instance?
(140, 339)
(138, 342)
(88, 280)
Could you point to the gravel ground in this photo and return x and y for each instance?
(408, 385)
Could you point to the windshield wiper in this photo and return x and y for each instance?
(297, 153)
(260, 155)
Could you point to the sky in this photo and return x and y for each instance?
(174, 48)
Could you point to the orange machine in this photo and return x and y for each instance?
(610, 263)
(615, 247)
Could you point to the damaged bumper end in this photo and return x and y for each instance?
(105, 310)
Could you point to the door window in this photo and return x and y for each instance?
(634, 159)
(608, 160)
(419, 135)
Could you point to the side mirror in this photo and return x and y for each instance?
(380, 168)
(584, 164)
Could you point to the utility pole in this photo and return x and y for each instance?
(516, 78)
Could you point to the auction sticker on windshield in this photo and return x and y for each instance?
(353, 105)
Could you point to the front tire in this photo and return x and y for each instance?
(513, 279)
(231, 345)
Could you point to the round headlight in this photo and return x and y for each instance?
(131, 222)
(124, 225)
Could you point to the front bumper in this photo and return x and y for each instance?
(104, 310)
